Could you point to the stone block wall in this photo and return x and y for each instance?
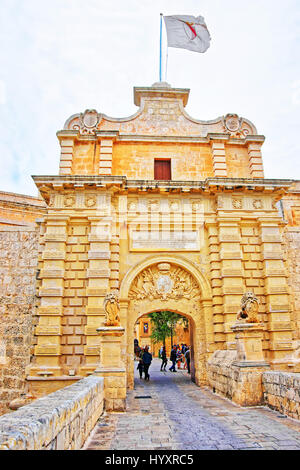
(18, 266)
(60, 421)
(276, 389)
(282, 392)
(243, 385)
(220, 373)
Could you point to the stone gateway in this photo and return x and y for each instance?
(117, 240)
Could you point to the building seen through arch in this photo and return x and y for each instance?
(144, 328)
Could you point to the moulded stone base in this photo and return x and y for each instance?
(250, 364)
(44, 371)
(87, 370)
(41, 386)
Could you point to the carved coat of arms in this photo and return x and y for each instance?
(164, 281)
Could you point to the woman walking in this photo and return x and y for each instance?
(163, 359)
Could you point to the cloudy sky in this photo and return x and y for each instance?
(61, 57)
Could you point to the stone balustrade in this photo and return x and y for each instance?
(61, 420)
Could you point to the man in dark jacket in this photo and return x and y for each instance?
(147, 359)
(173, 356)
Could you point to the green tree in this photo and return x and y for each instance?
(163, 325)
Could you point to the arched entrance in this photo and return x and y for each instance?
(168, 283)
(180, 333)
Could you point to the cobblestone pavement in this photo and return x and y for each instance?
(181, 416)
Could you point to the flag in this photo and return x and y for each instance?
(187, 32)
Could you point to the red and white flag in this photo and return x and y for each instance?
(187, 32)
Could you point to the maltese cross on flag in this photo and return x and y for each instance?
(187, 32)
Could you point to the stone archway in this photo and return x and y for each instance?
(168, 283)
(190, 341)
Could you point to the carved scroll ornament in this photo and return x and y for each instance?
(87, 122)
(237, 126)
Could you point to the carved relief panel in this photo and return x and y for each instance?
(164, 281)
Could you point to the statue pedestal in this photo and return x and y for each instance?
(249, 364)
(112, 368)
(249, 344)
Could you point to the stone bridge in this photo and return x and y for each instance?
(175, 415)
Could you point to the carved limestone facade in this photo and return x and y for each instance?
(193, 243)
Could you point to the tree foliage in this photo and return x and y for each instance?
(163, 325)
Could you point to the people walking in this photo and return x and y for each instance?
(187, 356)
(173, 359)
(147, 359)
(163, 359)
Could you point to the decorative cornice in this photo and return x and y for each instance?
(115, 184)
(116, 136)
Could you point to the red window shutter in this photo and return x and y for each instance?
(162, 169)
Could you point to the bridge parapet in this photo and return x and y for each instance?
(61, 420)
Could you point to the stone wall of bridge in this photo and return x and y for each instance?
(282, 392)
(253, 385)
(242, 385)
(60, 421)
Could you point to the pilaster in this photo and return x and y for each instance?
(49, 329)
(98, 274)
(232, 274)
(105, 158)
(276, 289)
(216, 284)
(127, 349)
(219, 158)
(66, 156)
(252, 266)
(255, 160)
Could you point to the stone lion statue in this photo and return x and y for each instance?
(112, 310)
(249, 311)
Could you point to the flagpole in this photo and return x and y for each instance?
(166, 71)
(160, 44)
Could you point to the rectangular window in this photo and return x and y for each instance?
(162, 169)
